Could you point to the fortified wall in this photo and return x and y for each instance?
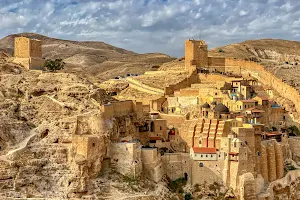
(195, 51)
(267, 78)
(122, 108)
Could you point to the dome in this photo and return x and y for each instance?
(221, 108)
(214, 103)
(206, 105)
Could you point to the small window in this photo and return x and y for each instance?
(206, 156)
(258, 153)
(201, 164)
(93, 144)
(160, 128)
(211, 155)
(201, 155)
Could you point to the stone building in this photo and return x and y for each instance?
(28, 52)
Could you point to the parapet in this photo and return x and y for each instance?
(122, 108)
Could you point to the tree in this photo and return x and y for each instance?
(53, 65)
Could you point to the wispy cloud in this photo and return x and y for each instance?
(153, 25)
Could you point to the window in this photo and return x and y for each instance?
(160, 127)
(201, 155)
(201, 164)
(206, 156)
(93, 144)
(211, 155)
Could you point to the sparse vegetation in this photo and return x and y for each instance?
(293, 130)
(177, 185)
(54, 65)
(130, 180)
(221, 50)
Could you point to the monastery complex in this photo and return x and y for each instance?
(209, 120)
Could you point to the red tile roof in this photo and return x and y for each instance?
(273, 133)
(155, 138)
(207, 150)
(233, 153)
(241, 116)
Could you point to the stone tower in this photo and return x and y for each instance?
(28, 52)
(196, 54)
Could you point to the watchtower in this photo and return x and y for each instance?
(196, 54)
(28, 52)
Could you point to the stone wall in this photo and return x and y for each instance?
(210, 172)
(187, 82)
(152, 164)
(177, 165)
(173, 120)
(143, 87)
(22, 47)
(122, 108)
(36, 48)
(247, 187)
(126, 158)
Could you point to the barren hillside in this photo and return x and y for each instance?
(264, 49)
(96, 61)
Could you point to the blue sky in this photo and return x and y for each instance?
(153, 25)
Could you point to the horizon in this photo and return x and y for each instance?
(152, 26)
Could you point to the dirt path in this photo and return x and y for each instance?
(19, 146)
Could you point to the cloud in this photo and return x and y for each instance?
(153, 25)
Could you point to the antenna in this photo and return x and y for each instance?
(199, 33)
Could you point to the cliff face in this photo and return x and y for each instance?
(38, 118)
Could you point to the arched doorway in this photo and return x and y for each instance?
(185, 176)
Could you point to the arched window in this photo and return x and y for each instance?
(152, 126)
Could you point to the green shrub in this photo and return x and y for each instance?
(293, 129)
(188, 196)
(54, 65)
(177, 185)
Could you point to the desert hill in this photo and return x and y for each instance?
(264, 49)
(94, 60)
